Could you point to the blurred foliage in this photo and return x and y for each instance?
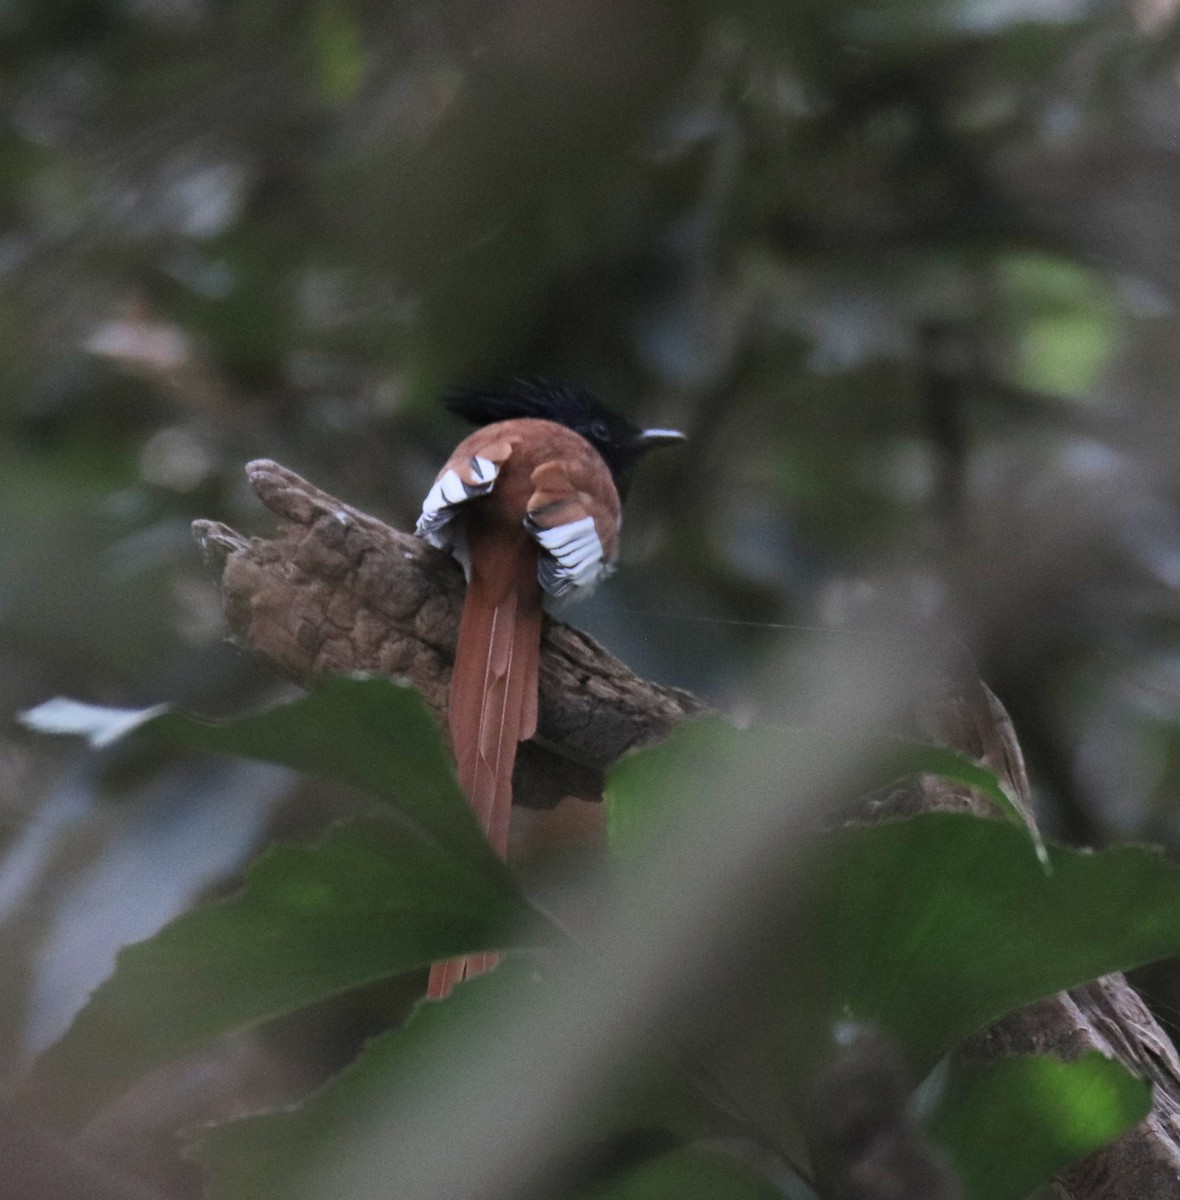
(366, 902)
(927, 930)
(905, 270)
(644, 794)
(1057, 1110)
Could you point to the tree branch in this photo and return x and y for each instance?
(338, 590)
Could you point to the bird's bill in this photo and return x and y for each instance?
(649, 439)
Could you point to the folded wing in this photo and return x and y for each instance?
(463, 479)
(578, 535)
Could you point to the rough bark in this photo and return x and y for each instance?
(338, 590)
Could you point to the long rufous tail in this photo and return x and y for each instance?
(493, 704)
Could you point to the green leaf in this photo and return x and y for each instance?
(933, 926)
(372, 732)
(374, 899)
(690, 1174)
(1011, 1125)
(929, 927)
(309, 923)
(646, 790)
(289, 1154)
(961, 768)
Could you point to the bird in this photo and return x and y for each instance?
(530, 504)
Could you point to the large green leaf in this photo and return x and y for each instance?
(647, 789)
(399, 1080)
(374, 899)
(1009, 1126)
(935, 925)
(375, 733)
(310, 922)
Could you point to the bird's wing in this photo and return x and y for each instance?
(577, 533)
(465, 477)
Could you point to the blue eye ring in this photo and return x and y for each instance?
(599, 431)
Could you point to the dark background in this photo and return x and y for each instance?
(906, 272)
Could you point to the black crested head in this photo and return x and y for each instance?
(620, 443)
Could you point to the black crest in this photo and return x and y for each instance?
(614, 437)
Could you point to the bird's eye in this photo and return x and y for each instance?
(599, 431)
